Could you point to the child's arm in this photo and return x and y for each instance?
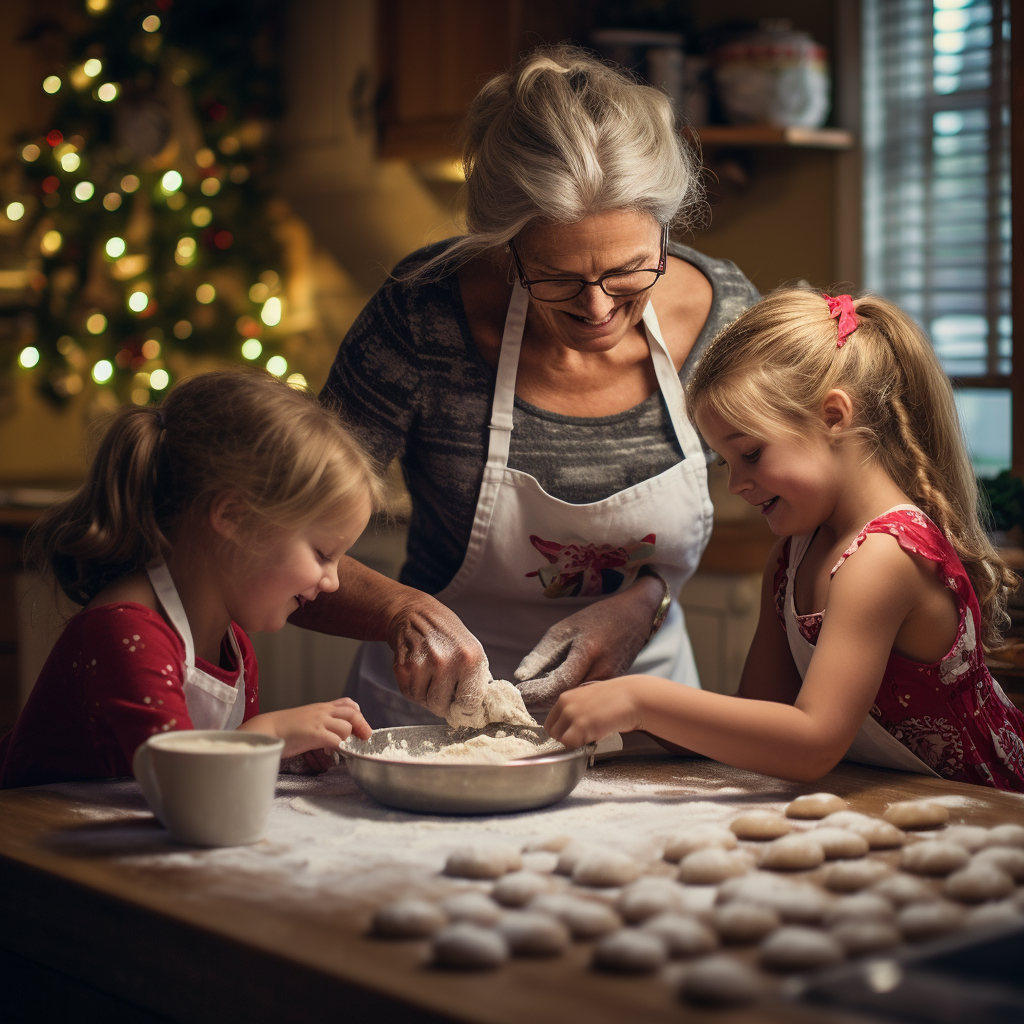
(867, 603)
(312, 726)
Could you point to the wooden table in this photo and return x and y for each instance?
(99, 921)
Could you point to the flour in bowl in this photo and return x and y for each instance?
(483, 749)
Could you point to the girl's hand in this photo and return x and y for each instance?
(592, 711)
(312, 727)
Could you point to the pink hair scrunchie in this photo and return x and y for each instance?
(841, 307)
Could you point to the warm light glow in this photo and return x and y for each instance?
(176, 201)
(92, 67)
(251, 349)
(185, 251)
(277, 365)
(270, 278)
(128, 267)
(115, 247)
(72, 384)
(201, 216)
(96, 6)
(151, 24)
(140, 396)
(107, 92)
(159, 379)
(271, 314)
(129, 183)
(150, 350)
(239, 174)
(180, 76)
(229, 145)
(51, 242)
(103, 371)
(206, 293)
(205, 157)
(111, 201)
(30, 153)
(297, 381)
(28, 357)
(210, 186)
(15, 211)
(96, 323)
(65, 344)
(51, 84)
(84, 191)
(182, 330)
(138, 301)
(170, 182)
(259, 292)
(141, 379)
(70, 162)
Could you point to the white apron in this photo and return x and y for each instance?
(873, 744)
(211, 704)
(523, 538)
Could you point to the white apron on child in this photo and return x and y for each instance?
(873, 744)
(211, 704)
(497, 593)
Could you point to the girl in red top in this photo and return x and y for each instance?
(221, 511)
(883, 591)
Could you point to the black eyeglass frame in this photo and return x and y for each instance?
(660, 271)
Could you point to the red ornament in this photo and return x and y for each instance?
(223, 239)
(51, 184)
(217, 111)
(54, 138)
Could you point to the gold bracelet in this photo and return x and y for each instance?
(663, 606)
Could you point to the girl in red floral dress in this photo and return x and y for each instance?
(883, 591)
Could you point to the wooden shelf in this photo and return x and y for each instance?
(740, 135)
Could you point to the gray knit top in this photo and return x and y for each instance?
(410, 380)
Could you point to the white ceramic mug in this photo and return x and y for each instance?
(210, 787)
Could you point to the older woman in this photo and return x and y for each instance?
(528, 376)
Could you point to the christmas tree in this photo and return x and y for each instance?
(144, 204)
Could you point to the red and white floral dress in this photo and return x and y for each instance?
(951, 714)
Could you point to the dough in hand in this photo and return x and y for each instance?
(793, 853)
(760, 825)
(469, 947)
(915, 814)
(630, 952)
(839, 842)
(605, 868)
(408, 919)
(741, 923)
(586, 919)
(815, 805)
(793, 948)
(474, 907)
(500, 702)
(925, 920)
(901, 890)
(859, 938)
(853, 875)
(483, 860)
(712, 865)
(933, 858)
(1006, 858)
(518, 888)
(697, 838)
(682, 935)
(648, 897)
(977, 883)
(533, 934)
(721, 981)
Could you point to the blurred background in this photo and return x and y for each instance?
(193, 183)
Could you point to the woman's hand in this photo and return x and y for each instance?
(438, 662)
(594, 710)
(312, 727)
(597, 642)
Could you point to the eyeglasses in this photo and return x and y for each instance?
(616, 285)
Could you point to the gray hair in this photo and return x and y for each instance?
(562, 136)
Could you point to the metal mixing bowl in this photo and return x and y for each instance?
(462, 788)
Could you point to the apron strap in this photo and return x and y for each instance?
(500, 427)
(671, 387)
(167, 595)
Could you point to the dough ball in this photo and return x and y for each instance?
(604, 868)
(483, 860)
(501, 702)
(474, 907)
(648, 897)
(469, 947)
(977, 883)
(858, 938)
(1006, 858)
(518, 888)
(682, 935)
(792, 853)
(879, 834)
(903, 889)
(796, 901)
(815, 805)
(584, 918)
(408, 919)
(854, 875)
(839, 842)
(970, 837)
(865, 906)
(547, 844)
(628, 951)
(926, 920)
(1006, 835)
(1000, 912)
(793, 948)
(760, 825)
(742, 923)
(916, 814)
(713, 865)
(721, 981)
(697, 838)
(933, 858)
(571, 854)
(533, 934)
